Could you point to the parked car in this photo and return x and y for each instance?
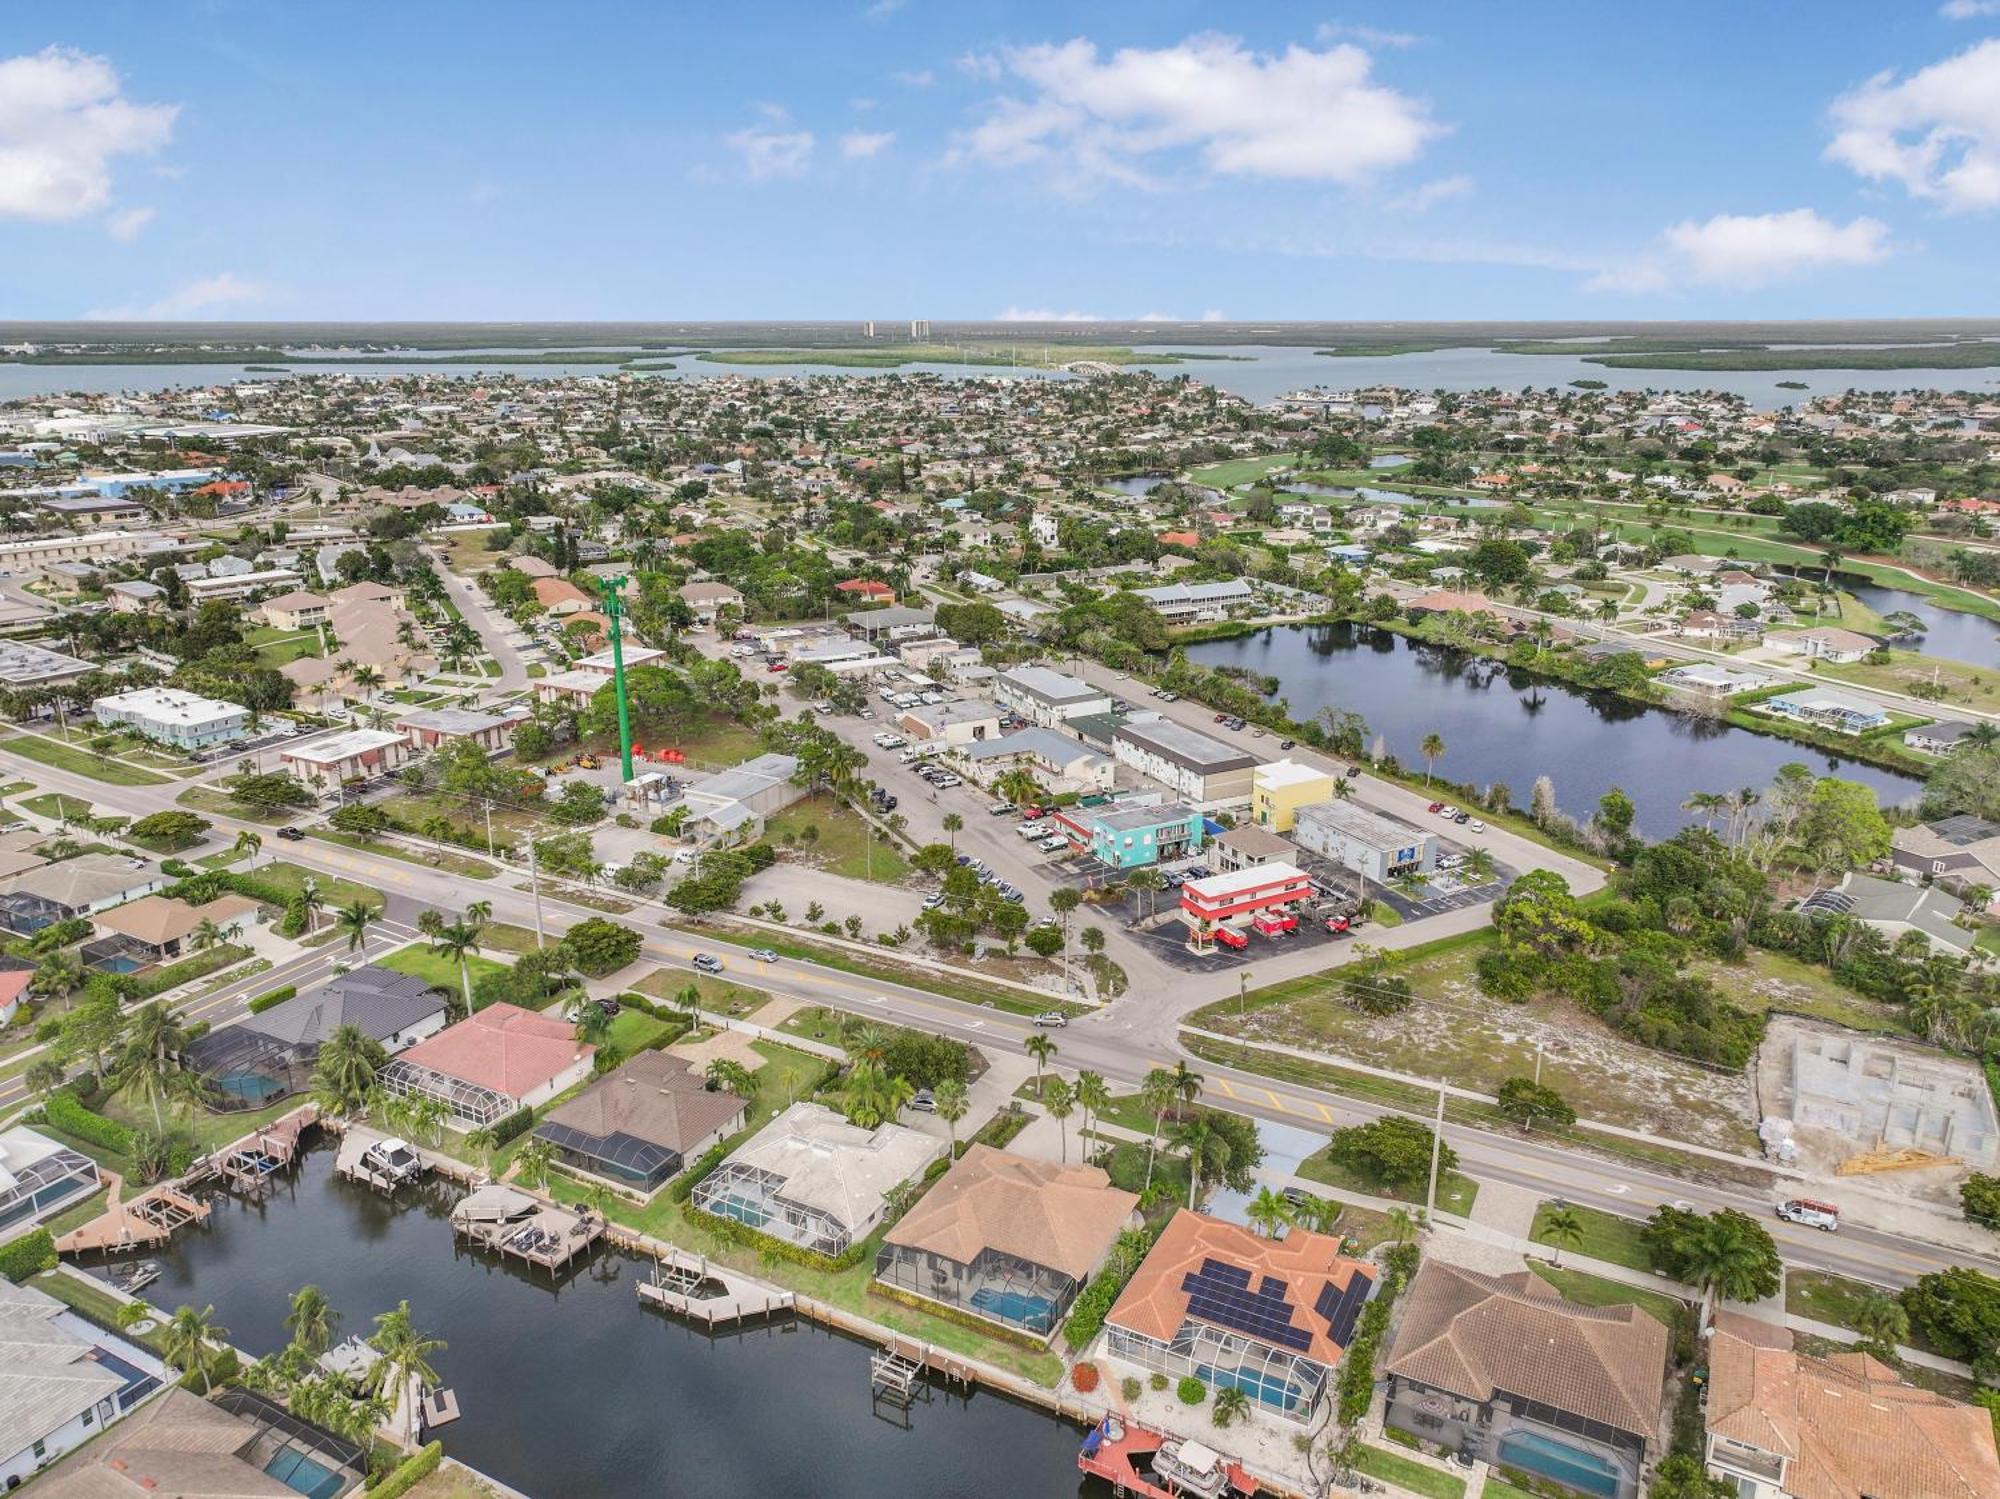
(1461, 817)
(933, 901)
(1053, 842)
(1052, 1020)
(1000, 809)
(924, 1101)
(1447, 811)
(1228, 936)
(708, 962)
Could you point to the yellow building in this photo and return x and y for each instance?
(1279, 789)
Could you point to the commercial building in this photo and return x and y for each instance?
(877, 626)
(1207, 903)
(1503, 1367)
(39, 1177)
(168, 715)
(737, 801)
(1784, 1425)
(495, 1062)
(1269, 1317)
(24, 665)
(814, 1180)
(240, 585)
(62, 1381)
(340, 760)
(639, 1125)
(1134, 835)
(1204, 771)
(1059, 762)
(1007, 1238)
(1372, 844)
(961, 721)
(1247, 847)
(1279, 789)
(491, 730)
(1048, 698)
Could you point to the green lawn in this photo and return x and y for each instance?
(81, 762)
(281, 647)
(435, 968)
(94, 1304)
(1826, 1297)
(456, 863)
(208, 799)
(1234, 471)
(334, 891)
(718, 996)
(1586, 1289)
(839, 844)
(1606, 1236)
(1772, 981)
(632, 1032)
(209, 1130)
(55, 806)
(1456, 1191)
(1407, 1473)
(77, 1215)
(499, 936)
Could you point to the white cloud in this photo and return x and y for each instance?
(986, 65)
(918, 78)
(864, 145)
(1747, 251)
(126, 224)
(1299, 115)
(1368, 36)
(1937, 131)
(1428, 194)
(210, 294)
(1969, 10)
(1045, 315)
(861, 106)
(771, 153)
(881, 10)
(63, 119)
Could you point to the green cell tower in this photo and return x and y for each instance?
(614, 610)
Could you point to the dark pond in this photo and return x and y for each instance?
(1502, 725)
(572, 1391)
(1950, 633)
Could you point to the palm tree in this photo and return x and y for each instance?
(872, 1096)
(1882, 1323)
(185, 1341)
(354, 919)
(1269, 1212)
(405, 1358)
(732, 1077)
(345, 1073)
(1059, 1098)
(1158, 1092)
(205, 935)
(1724, 1260)
(951, 1101)
(44, 1076)
(248, 842)
(868, 1041)
(1093, 1095)
(1196, 1137)
(1041, 1048)
(953, 825)
(59, 975)
(1231, 1405)
(478, 913)
(1708, 803)
(1561, 1226)
(313, 899)
(1432, 749)
(1147, 881)
(458, 942)
(532, 1162)
(150, 1066)
(312, 1321)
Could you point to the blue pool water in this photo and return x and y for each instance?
(302, 1475)
(117, 965)
(253, 1087)
(1265, 1389)
(1573, 1466)
(1037, 1313)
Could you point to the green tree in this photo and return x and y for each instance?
(533, 1162)
(1391, 1152)
(185, 1342)
(312, 1320)
(1957, 1312)
(354, 919)
(953, 825)
(405, 1362)
(1269, 1212)
(1882, 1323)
(344, 1074)
(1842, 827)
(1562, 1227)
(458, 942)
(149, 1066)
(1979, 1196)
(1060, 1101)
(952, 1101)
(871, 1095)
(598, 946)
(1231, 1405)
(1041, 1047)
(1432, 749)
(1529, 1103)
(1157, 1093)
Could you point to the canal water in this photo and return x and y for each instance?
(1953, 634)
(1507, 726)
(572, 1391)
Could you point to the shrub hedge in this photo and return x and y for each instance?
(682, 1186)
(410, 1472)
(28, 1255)
(66, 1112)
(745, 1237)
(264, 1002)
(512, 1125)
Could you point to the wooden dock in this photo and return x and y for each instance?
(516, 1224)
(253, 1162)
(351, 1159)
(710, 1295)
(146, 1222)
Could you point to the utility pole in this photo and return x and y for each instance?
(535, 886)
(1437, 1144)
(487, 803)
(1242, 984)
(614, 610)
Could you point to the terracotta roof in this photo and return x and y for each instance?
(1849, 1425)
(552, 591)
(1062, 1217)
(1476, 1335)
(652, 1097)
(1155, 1304)
(156, 920)
(503, 1047)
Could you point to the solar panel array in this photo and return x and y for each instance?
(1342, 1309)
(1221, 1294)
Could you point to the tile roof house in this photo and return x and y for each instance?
(61, 1381)
(162, 926)
(1961, 851)
(1269, 1317)
(493, 1063)
(640, 1124)
(1504, 1359)
(1781, 1423)
(1006, 1237)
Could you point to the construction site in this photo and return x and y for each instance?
(1904, 1116)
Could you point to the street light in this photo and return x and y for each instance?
(1242, 984)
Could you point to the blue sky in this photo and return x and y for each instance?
(853, 158)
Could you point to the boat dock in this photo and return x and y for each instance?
(518, 1225)
(146, 1222)
(252, 1163)
(377, 1160)
(712, 1295)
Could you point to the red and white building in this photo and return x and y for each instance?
(428, 728)
(340, 759)
(1228, 899)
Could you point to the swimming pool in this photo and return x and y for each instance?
(1574, 1467)
(303, 1475)
(1260, 1385)
(252, 1087)
(1036, 1313)
(118, 965)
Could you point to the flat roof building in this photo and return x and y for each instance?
(491, 730)
(1279, 789)
(1202, 769)
(339, 760)
(1372, 844)
(168, 715)
(1206, 903)
(25, 665)
(1046, 697)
